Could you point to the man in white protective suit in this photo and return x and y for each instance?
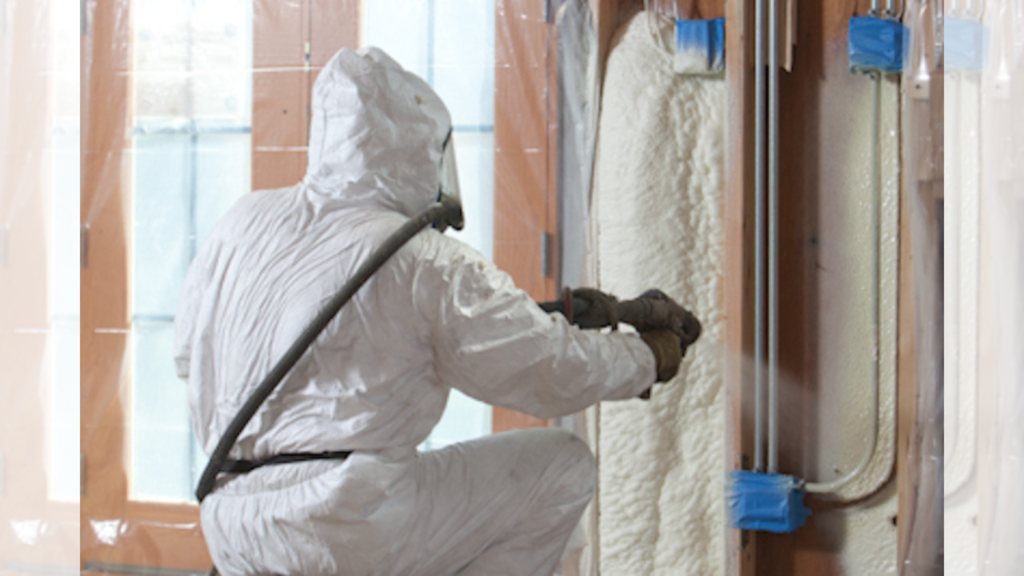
(436, 316)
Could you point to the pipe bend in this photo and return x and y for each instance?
(834, 486)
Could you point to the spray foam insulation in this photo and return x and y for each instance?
(658, 200)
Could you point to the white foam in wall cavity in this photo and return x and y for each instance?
(658, 200)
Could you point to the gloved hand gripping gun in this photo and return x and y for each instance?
(650, 312)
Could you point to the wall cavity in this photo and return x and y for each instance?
(658, 200)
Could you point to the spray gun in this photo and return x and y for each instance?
(589, 308)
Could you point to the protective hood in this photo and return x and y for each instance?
(377, 134)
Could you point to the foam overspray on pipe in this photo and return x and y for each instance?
(876, 234)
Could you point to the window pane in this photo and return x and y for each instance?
(193, 59)
(223, 175)
(399, 27)
(474, 153)
(161, 218)
(63, 346)
(464, 418)
(450, 44)
(162, 444)
(192, 160)
(463, 61)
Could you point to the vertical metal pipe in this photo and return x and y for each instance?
(759, 225)
(773, 237)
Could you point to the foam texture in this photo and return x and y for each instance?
(658, 198)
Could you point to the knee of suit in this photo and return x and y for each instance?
(579, 461)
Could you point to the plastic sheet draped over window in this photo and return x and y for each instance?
(984, 138)
(921, 552)
(39, 307)
(190, 104)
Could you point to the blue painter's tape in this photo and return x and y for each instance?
(965, 44)
(768, 502)
(876, 44)
(705, 38)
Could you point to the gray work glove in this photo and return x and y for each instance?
(654, 310)
(667, 352)
(587, 308)
(594, 309)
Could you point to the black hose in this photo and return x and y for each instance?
(447, 212)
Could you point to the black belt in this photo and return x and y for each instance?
(243, 466)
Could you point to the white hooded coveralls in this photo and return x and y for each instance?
(436, 316)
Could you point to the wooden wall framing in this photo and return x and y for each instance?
(819, 26)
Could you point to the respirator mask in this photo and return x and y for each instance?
(448, 190)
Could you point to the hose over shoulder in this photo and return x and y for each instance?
(447, 212)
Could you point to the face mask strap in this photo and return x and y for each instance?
(444, 148)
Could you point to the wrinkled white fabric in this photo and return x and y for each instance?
(435, 316)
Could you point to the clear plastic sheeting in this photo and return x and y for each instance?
(130, 126)
(578, 106)
(922, 550)
(39, 306)
(1000, 452)
(981, 213)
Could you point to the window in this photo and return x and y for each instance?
(192, 98)
(451, 45)
(63, 285)
(191, 145)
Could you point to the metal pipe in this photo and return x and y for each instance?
(876, 7)
(922, 68)
(890, 9)
(876, 277)
(759, 224)
(773, 237)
